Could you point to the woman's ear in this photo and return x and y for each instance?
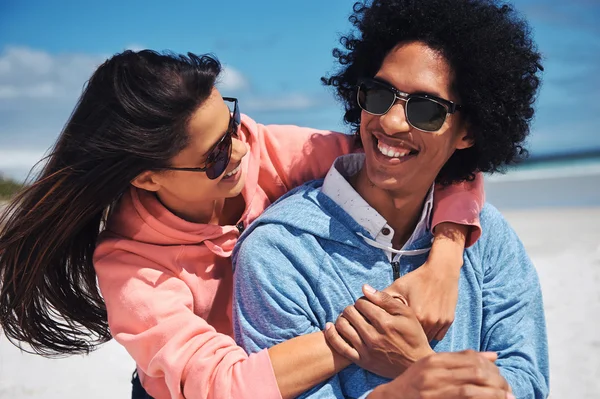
(147, 180)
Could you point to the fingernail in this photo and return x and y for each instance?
(369, 289)
(510, 396)
(328, 326)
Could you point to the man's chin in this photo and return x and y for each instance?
(384, 181)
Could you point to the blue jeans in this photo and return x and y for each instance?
(137, 390)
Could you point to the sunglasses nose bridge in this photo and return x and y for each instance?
(395, 119)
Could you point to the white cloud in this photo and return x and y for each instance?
(38, 91)
(232, 80)
(28, 73)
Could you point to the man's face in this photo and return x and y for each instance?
(400, 158)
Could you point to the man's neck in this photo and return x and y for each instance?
(402, 210)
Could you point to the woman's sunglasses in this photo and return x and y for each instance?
(423, 111)
(219, 156)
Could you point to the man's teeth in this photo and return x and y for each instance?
(392, 152)
(233, 172)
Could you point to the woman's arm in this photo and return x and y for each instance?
(432, 289)
(304, 362)
(291, 155)
(182, 354)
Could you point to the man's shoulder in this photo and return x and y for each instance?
(498, 241)
(284, 226)
(306, 195)
(495, 230)
(300, 224)
(492, 220)
(304, 209)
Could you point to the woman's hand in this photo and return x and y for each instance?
(432, 289)
(432, 295)
(379, 333)
(460, 375)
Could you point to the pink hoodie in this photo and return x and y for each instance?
(167, 283)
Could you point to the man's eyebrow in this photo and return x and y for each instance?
(430, 92)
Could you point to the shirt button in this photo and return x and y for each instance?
(385, 231)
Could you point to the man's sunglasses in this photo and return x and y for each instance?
(423, 111)
(219, 156)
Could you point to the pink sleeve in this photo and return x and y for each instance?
(460, 203)
(292, 155)
(150, 314)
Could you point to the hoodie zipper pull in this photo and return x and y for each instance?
(396, 269)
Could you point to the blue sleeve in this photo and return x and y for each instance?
(274, 274)
(514, 325)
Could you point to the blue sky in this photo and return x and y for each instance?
(275, 52)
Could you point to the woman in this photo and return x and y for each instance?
(153, 159)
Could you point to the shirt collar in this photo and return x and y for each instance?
(336, 187)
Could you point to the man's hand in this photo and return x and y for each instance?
(379, 333)
(462, 375)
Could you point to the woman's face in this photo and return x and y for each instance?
(190, 192)
(416, 156)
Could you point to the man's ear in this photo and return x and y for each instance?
(465, 142)
(465, 139)
(147, 181)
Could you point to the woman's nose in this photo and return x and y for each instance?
(238, 149)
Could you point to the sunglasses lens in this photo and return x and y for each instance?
(425, 114)
(375, 99)
(220, 160)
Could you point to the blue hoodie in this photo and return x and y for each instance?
(304, 260)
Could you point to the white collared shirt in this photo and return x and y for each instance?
(342, 193)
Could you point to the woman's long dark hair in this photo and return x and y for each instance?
(131, 117)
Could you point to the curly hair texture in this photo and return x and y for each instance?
(490, 50)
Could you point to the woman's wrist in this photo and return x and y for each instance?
(381, 392)
(448, 248)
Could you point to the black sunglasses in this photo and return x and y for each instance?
(219, 156)
(423, 111)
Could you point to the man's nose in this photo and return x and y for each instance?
(394, 121)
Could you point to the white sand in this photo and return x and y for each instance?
(563, 243)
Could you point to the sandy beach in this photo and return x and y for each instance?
(564, 244)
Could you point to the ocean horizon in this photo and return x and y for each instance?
(557, 183)
(567, 182)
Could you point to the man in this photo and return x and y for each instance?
(438, 91)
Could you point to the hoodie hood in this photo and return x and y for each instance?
(308, 210)
(141, 217)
